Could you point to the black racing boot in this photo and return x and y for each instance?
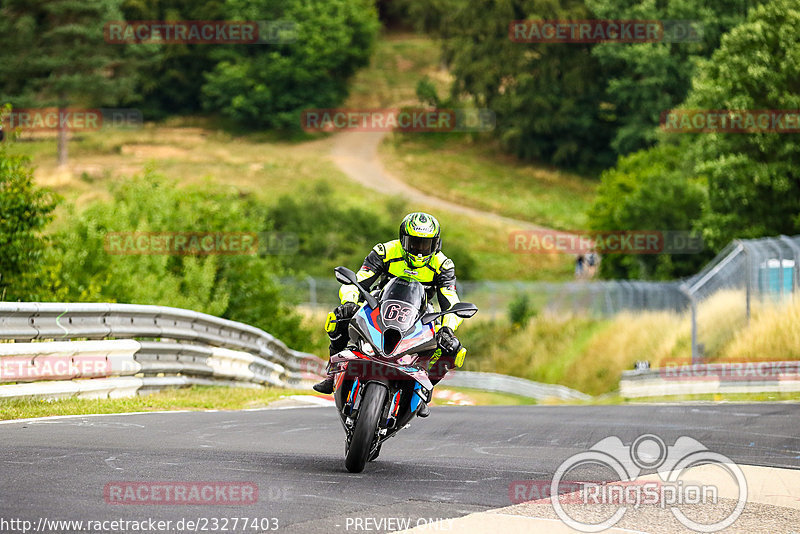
(423, 411)
(326, 386)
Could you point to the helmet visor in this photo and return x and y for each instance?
(419, 246)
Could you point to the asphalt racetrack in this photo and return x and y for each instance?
(458, 461)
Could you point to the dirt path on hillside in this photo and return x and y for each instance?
(356, 154)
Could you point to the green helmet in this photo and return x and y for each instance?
(419, 237)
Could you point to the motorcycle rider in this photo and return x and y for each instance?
(416, 254)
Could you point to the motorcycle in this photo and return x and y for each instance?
(382, 376)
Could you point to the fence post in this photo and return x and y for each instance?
(312, 292)
(796, 267)
(693, 304)
(748, 277)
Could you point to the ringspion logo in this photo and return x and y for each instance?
(674, 488)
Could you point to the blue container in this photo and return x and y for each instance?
(769, 277)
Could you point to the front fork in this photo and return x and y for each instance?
(389, 418)
(353, 403)
(349, 395)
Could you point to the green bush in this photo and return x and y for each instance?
(650, 190)
(332, 233)
(24, 212)
(520, 310)
(239, 287)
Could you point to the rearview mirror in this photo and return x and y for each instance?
(467, 312)
(462, 309)
(344, 275)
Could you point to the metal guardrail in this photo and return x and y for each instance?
(511, 384)
(114, 350)
(135, 347)
(700, 379)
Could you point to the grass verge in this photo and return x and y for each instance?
(191, 398)
(399, 62)
(479, 175)
(212, 398)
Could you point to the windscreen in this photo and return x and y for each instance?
(401, 302)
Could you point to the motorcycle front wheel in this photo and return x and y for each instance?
(366, 427)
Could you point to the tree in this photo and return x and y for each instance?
(268, 85)
(649, 190)
(548, 98)
(24, 212)
(175, 78)
(240, 287)
(753, 178)
(646, 79)
(54, 54)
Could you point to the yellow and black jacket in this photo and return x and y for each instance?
(386, 261)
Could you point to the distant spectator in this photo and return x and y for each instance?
(579, 263)
(592, 261)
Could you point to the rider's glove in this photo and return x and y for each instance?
(346, 311)
(447, 341)
(337, 320)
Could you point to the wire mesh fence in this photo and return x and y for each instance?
(747, 273)
(719, 299)
(494, 298)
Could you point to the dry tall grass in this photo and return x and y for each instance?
(654, 336)
(773, 334)
(590, 355)
(719, 317)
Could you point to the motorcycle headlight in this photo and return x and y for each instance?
(366, 348)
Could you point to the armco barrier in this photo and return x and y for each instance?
(94, 350)
(703, 379)
(511, 384)
(114, 350)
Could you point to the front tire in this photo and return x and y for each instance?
(366, 426)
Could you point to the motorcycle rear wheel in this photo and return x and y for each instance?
(366, 427)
